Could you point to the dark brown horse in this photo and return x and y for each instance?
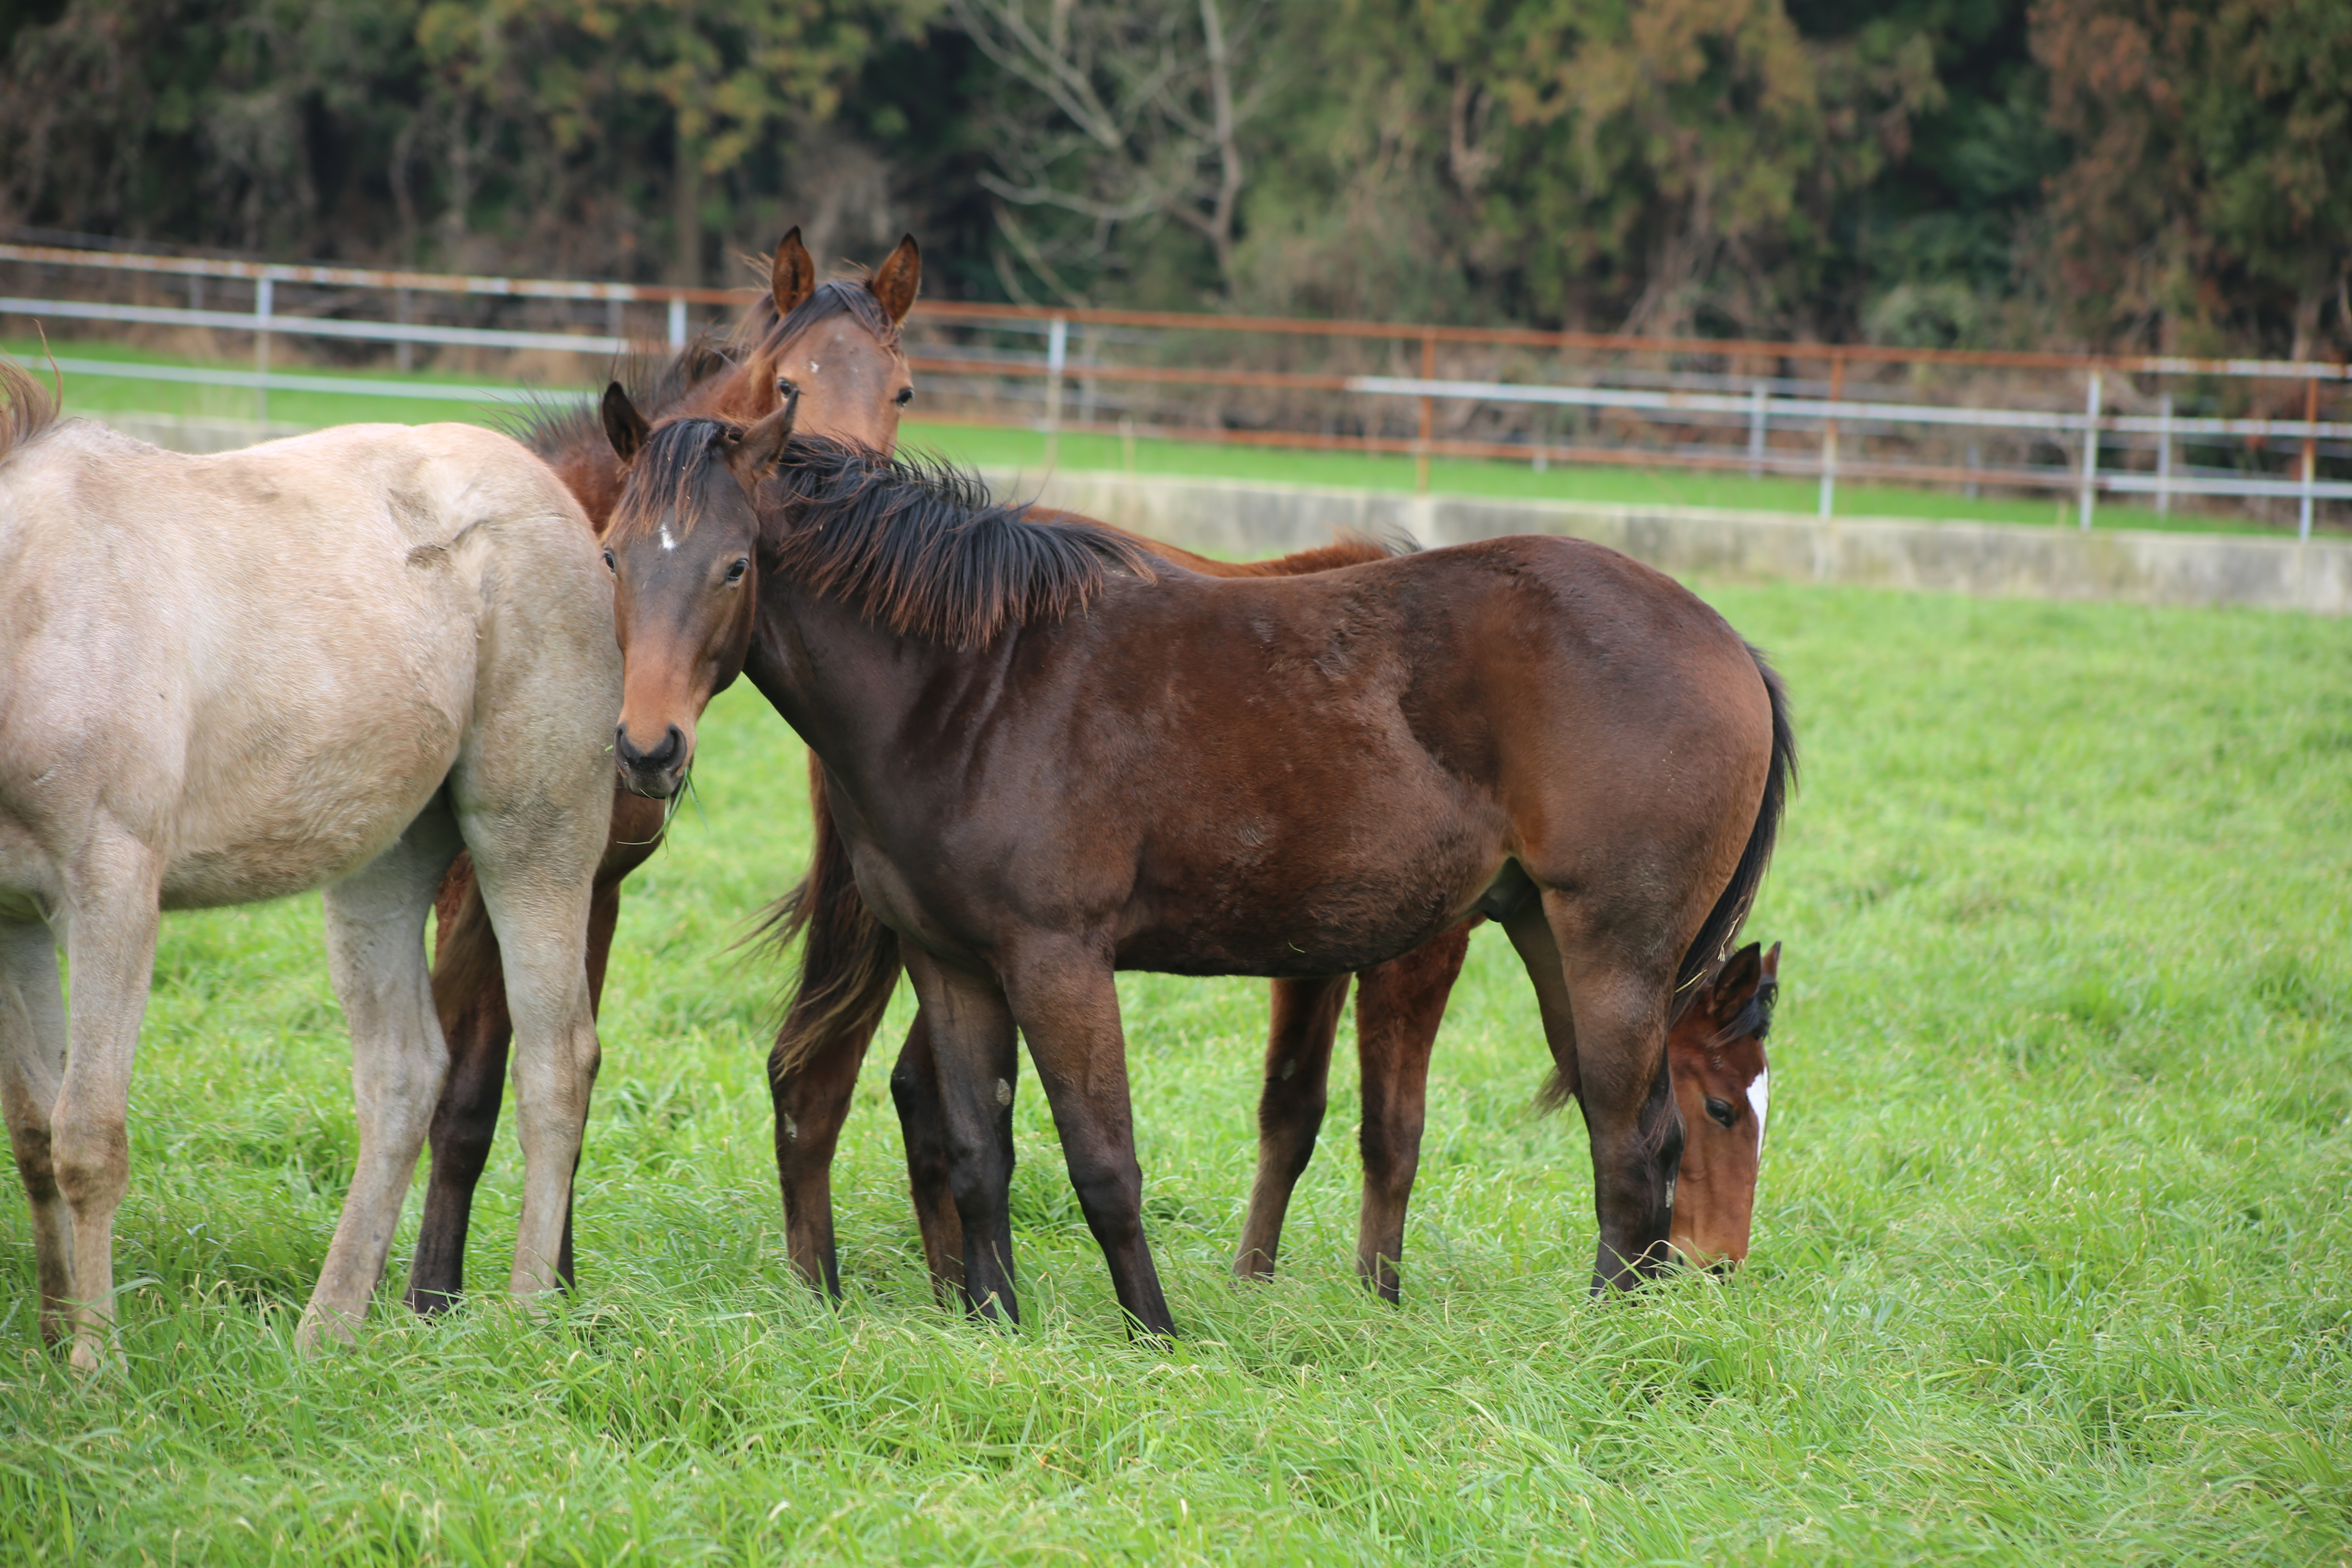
(1050, 756)
(835, 345)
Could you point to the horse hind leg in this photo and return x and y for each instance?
(1399, 1005)
(32, 1070)
(375, 953)
(1605, 1019)
(111, 952)
(1290, 1105)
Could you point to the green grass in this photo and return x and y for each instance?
(1025, 450)
(2054, 1250)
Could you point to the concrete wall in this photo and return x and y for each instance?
(1232, 518)
(1228, 516)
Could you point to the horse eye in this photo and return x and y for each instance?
(906, 396)
(608, 563)
(735, 573)
(787, 387)
(1723, 1111)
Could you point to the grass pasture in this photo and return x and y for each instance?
(2054, 1250)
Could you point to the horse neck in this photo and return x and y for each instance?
(848, 688)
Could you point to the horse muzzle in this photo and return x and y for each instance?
(655, 772)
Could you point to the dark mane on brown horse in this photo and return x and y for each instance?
(760, 332)
(552, 428)
(914, 544)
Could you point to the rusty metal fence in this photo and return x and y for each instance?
(2266, 432)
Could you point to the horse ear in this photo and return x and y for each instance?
(792, 276)
(757, 451)
(1739, 976)
(623, 426)
(899, 278)
(1772, 964)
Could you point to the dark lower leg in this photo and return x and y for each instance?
(1634, 1160)
(1068, 1009)
(922, 1120)
(973, 1044)
(469, 992)
(1289, 1110)
(812, 1100)
(1398, 1008)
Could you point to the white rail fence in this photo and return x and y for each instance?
(1764, 405)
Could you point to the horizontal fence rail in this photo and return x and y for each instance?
(1792, 425)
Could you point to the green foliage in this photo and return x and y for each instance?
(2054, 1263)
(1981, 173)
(2208, 187)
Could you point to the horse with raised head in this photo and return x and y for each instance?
(836, 345)
(330, 661)
(1051, 755)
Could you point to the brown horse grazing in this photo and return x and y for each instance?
(1715, 1051)
(1050, 757)
(835, 344)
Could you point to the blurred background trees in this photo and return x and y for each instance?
(2108, 172)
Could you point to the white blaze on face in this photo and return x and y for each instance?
(667, 543)
(1760, 1096)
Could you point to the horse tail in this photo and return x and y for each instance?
(849, 964)
(1713, 943)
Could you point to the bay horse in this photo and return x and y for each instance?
(849, 966)
(1050, 756)
(836, 345)
(330, 661)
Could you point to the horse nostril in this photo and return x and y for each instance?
(661, 756)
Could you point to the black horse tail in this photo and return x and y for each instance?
(849, 964)
(1713, 943)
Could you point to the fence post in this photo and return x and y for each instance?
(677, 323)
(2310, 457)
(263, 299)
(2164, 457)
(405, 356)
(1830, 437)
(1755, 431)
(1428, 413)
(1057, 355)
(2090, 451)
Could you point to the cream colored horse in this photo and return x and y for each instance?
(329, 661)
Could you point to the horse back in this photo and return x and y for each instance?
(263, 663)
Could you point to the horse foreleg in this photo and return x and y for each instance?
(1610, 1050)
(1306, 1018)
(975, 1046)
(115, 910)
(1068, 1006)
(1398, 1007)
(469, 992)
(32, 1066)
(922, 1122)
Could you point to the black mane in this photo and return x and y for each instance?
(918, 545)
(915, 544)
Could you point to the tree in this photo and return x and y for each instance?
(2207, 200)
(1118, 110)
